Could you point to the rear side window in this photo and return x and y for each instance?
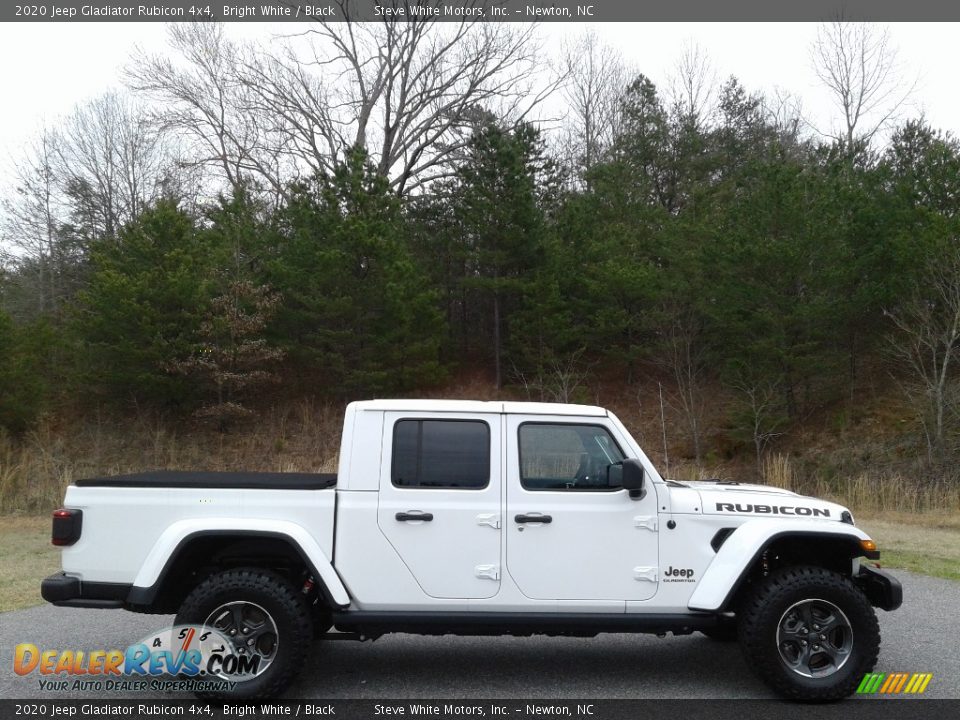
(441, 454)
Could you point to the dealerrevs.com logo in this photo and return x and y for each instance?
(184, 657)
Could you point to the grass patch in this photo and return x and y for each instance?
(26, 559)
(36, 469)
(927, 544)
(920, 563)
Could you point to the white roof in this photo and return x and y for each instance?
(480, 406)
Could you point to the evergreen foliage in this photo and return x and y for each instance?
(723, 251)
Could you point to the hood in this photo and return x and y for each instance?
(762, 501)
(733, 487)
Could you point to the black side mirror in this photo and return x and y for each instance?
(615, 475)
(633, 478)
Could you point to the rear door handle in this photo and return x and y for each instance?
(408, 516)
(533, 518)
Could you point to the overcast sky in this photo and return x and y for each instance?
(50, 67)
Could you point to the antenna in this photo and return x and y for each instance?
(663, 425)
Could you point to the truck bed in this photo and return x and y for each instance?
(219, 480)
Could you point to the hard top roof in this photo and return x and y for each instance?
(480, 406)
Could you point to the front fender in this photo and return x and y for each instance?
(167, 545)
(745, 545)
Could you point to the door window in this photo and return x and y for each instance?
(441, 454)
(567, 457)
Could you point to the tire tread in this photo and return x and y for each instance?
(283, 593)
(755, 614)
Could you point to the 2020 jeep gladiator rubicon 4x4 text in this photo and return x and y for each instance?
(481, 518)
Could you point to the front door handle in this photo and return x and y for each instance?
(534, 518)
(415, 515)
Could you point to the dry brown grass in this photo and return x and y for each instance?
(35, 470)
(27, 558)
(916, 525)
(865, 492)
(777, 471)
(927, 543)
(691, 471)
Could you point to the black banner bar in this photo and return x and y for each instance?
(480, 10)
(892, 708)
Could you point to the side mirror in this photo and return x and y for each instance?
(633, 478)
(615, 475)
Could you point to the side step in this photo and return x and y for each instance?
(374, 624)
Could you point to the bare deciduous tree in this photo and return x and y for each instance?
(561, 380)
(693, 85)
(595, 78)
(98, 170)
(783, 112)
(31, 220)
(406, 90)
(111, 164)
(859, 66)
(202, 98)
(409, 91)
(761, 399)
(684, 357)
(927, 342)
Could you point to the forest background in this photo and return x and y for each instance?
(200, 269)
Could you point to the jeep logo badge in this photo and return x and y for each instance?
(672, 574)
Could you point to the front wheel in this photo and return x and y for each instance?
(809, 633)
(265, 620)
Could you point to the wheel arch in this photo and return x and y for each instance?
(745, 551)
(181, 555)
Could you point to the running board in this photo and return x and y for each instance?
(371, 624)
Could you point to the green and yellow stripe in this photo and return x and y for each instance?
(894, 683)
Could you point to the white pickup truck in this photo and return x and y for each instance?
(481, 518)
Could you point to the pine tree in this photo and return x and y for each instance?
(232, 357)
(501, 197)
(357, 311)
(149, 290)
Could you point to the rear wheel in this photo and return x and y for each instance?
(809, 633)
(262, 616)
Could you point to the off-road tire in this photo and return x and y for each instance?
(287, 608)
(760, 616)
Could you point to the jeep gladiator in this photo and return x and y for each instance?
(481, 518)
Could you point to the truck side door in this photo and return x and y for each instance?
(440, 500)
(569, 534)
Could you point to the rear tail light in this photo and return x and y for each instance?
(67, 525)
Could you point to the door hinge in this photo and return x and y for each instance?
(488, 572)
(648, 522)
(490, 520)
(648, 574)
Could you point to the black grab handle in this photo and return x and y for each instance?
(545, 519)
(405, 516)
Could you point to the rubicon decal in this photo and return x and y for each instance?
(773, 509)
(894, 683)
